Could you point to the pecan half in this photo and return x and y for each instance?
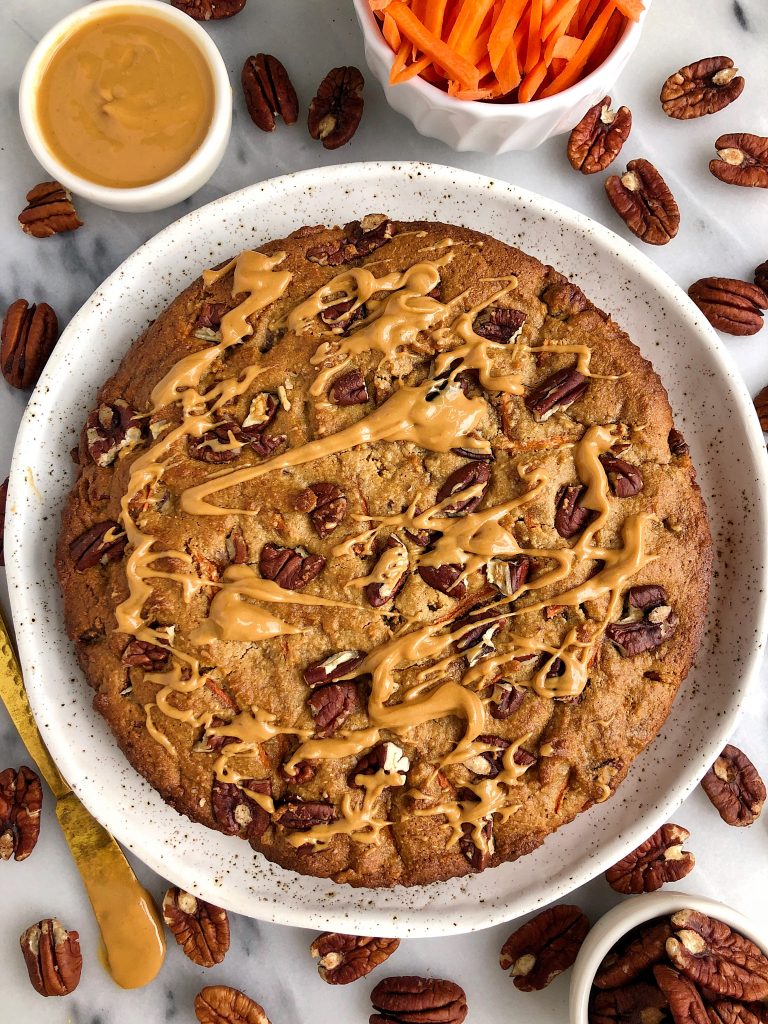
(21, 798)
(716, 958)
(3, 503)
(505, 700)
(386, 757)
(684, 1001)
(342, 959)
(478, 855)
(626, 963)
(426, 1000)
(761, 276)
(725, 1011)
(207, 10)
(146, 655)
(597, 139)
(634, 1004)
(290, 568)
(110, 429)
(648, 621)
(227, 440)
(52, 956)
(644, 202)
(220, 1004)
(625, 479)
(101, 543)
(342, 315)
(488, 764)
(761, 408)
(268, 91)
(236, 812)
(703, 87)
(509, 574)
(237, 546)
(570, 515)
(480, 635)
(660, 859)
(390, 572)
(334, 667)
(29, 334)
(556, 394)
(210, 316)
(564, 299)
(443, 578)
(362, 237)
(678, 446)
(331, 706)
(326, 505)
(544, 947)
(499, 323)
(296, 816)
(730, 305)
(471, 475)
(335, 112)
(349, 389)
(735, 787)
(201, 929)
(742, 159)
(49, 211)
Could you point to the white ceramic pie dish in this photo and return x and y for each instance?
(712, 407)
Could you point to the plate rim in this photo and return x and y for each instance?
(406, 920)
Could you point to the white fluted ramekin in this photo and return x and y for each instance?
(492, 127)
(159, 194)
(633, 912)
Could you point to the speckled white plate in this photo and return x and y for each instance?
(712, 408)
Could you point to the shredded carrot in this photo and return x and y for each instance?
(418, 67)
(531, 82)
(456, 66)
(391, 33)
(533, 48)
(576, 64)
(504, 29)
(631, 9)
(400, 61)
(566, 46)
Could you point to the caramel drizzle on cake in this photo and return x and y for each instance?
(438, 416)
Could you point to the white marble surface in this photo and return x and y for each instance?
(724, 231)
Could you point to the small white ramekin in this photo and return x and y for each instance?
(492, 127)
(159, 194)
(633, 912)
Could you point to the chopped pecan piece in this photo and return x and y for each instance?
(478, 855)
(337, 666)
(646, 597)
(101, 543)
(716, 958)
(556, 394)
(53, 959)
(21, 798)
(648, 622)
(704, 87)
(633, 1004)
(349, 389)
(732, 306)
(443, 578)
(509, 575)
(677, 443)
(297, 816)
(467, 477)
(210, 316)
(326, 505)
(237, 547)
(207, 10)
(490, 762)
(236, 812)
(644, 202)
(336, 110)
(342, 959)
(505, 700)
(655, 862)
(626, 963)
(625, 479)
(564, 299)
(268, 91)
(201, 929)
(684, 1001)
(220, 1004)
(261, 413)
(735, 787)
(544, 947)
(49, 211)
(341, 316)
(110, 429)
(384, 757)
(304, 772)
(331, 706)
(742, 160)
(28, 336)
(477, 631)
(389, 574)
(570, 515)
(499, 323)
(143, 654)
(290, 568)
(597, 139)
(426, 1000)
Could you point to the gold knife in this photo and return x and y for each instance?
(131, 927)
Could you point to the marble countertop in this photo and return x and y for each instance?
(723, 231)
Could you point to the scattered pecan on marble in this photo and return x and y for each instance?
(220, 1004)
(3, 503)
(349, 389)
(290, 568)
(544, 947)
(556, 394)
(342, 959)
(392, 565)
(326, 506)
(742, 159)
(505, 699)
(443, 578)
(660, 859)
(466, 477)
(647, 622)
(730, 305)
(716, 958)
(625, 479)
(21, 798)
(426, 1000)
(683, 998)
(334, 667)
(200, 928)
(297, 816)
(110, 429)
(678, 446)
(53, 959)
(236, 812)
(361, 237)
(268, 91)
(570, 515)
(734, 786)
(385, 757)
(49, 211)
(331, 705)
(499, 323)
(639, 951)
(29, 334)
(101, 543)
(704, 87)
(640, 1003)
(644, 202)
(761, 276)
(209, 10)
(336, 110)
(597, 139)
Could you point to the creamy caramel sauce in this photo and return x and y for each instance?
(125, 99)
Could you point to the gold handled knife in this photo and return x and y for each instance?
(131, 928)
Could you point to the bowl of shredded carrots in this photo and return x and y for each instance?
(498, 75)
